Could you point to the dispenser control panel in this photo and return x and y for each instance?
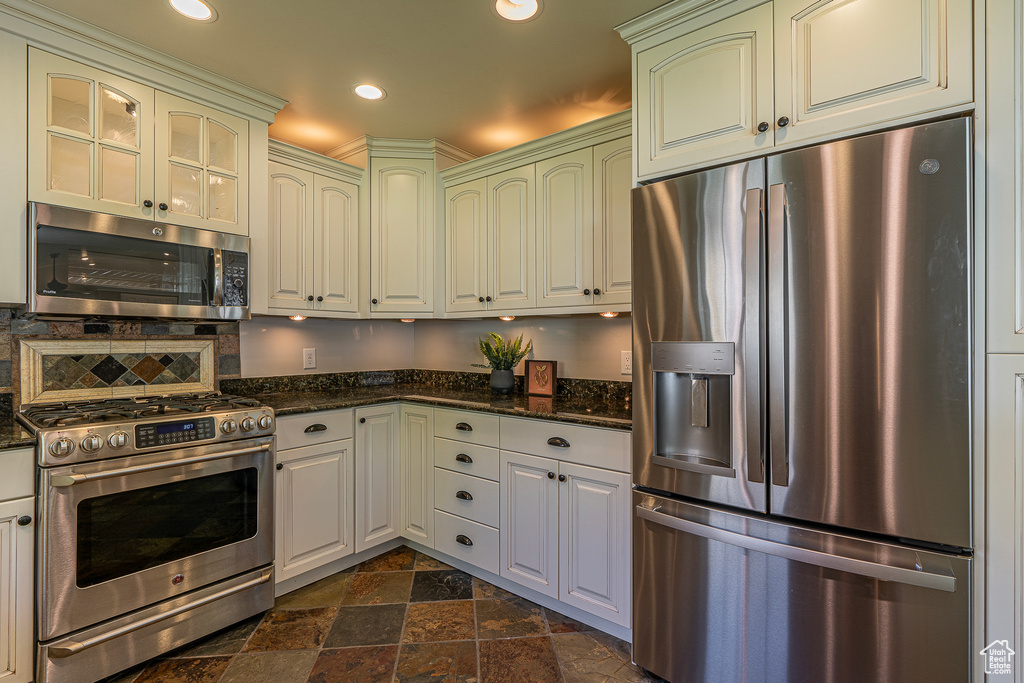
(694, 358)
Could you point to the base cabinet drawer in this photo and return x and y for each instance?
(307, 429)
(467, 458)
(468, 541)
(473, 498)
(466, 425)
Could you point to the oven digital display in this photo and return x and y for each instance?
(176, 427)
(174, 433)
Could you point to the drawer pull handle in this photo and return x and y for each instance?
(464, 427)
(558, 442)
(462, 457)
(315, 428)
(464, 540)
(464, 495)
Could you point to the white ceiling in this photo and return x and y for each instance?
(452, 69)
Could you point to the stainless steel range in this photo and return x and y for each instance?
(156, 526)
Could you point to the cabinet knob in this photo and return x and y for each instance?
(464, 540)
(362, 420)
(148, 203)
(373, 301)
(762, 127)
(464, 495)
(280, 466)
(551, 475)
(561, 477)
(489, 299)
(481, 299)
(24, 520)
(462, 457)
(319, 298)
(309, 298)
(596, 291)
(586, 292)
(783, 121)
(163, 206)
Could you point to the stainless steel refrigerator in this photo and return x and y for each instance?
(802, 415)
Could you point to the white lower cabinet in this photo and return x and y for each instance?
(417, 473)
(17, 546)
(529, 521)
(378, 499)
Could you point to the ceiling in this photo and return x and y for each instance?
(452, 69)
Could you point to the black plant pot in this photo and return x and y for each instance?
(502, 381)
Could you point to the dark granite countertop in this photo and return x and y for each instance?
(13, 435)
(592, 411)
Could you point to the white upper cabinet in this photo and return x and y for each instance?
(466, 242)
(291, 238)
(703, 95)
(103, 143)
(511, 233)
(565, 229)
(335, 245)
(613, 220)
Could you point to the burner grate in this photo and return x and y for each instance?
(68, 413)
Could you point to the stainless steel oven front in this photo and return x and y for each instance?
(118, 535)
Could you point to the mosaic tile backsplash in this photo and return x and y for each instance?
(94, 371)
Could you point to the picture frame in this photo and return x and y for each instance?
(541, 377)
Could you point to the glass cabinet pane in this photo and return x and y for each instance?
(70, 165)
(118, 175)
(69, 104)
(186, 189)
(118, 117)
(186, 141)
(222, 198)
(222, 147)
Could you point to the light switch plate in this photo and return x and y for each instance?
(308, 359)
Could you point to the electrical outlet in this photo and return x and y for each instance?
(626, 363)
(308, 359)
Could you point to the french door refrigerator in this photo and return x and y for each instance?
(802, 415)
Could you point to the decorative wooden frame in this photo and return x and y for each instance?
(541, 377)
(31, 352)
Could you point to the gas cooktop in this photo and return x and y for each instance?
(70, 413)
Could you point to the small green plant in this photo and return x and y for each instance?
(502, 355)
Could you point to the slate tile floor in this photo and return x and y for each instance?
(401, 616)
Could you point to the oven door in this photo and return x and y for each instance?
(118, 535)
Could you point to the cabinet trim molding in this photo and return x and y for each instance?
(290, 155)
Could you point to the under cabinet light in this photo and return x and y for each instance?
(610, 314)
(507, 318)
(297, 318)
(194, 9)
(408, 320)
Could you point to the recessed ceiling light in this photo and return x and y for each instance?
(517, 10)
(368, 91)
(194, 9)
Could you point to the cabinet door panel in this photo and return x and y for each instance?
(613, 237)
(17, 639)
(595, 544)
(844, 64)
(378, 508)
(466, 246)
(701, 96)
(529, 522)
(336, 245)
(314, 507)
(291, 237)
(511, 228)
(565, 229)
(417, 474)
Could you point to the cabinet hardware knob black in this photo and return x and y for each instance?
(148, 203)
(558, 442)
(561, 477)
(319, 298)
(596, 291)
(551, 475)
(464, 427)
(362, 420)
(315, 427)
(309, 298)
(586, 292)
(464, 540)
(481, 299)
(464, 495)
(783, 121)
(280, 466)
(489, 299)
(462, 457)
(163, 206)
(373, 301)
(24, 520)
(762, 127)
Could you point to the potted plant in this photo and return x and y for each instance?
(502, 357)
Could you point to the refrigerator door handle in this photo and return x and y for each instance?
(777, 401)
(882, 572)
(754, 342)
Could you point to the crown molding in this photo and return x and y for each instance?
(291, 155)
(667, 16)
(348, 149)
(79, 40)
(585, 135)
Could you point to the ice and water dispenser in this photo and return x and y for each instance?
(693, 405)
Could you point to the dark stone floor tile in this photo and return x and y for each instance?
(484, 590)
(397, 560)
(127, 676)
(513, 618)
(326, 592)
(559, 623)
(378, 588)
(596, 656)
(367, 625)
(428, 563)
(431, 622)
(362, 664)
(450, 584)
(270, 667)
(436, 662)
(226, 642)
(198, 670)
(519, 660)
(292, 629)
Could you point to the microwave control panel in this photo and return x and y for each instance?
(236, 278)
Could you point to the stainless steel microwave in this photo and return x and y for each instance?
(93, 264)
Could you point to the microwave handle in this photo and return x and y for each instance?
(218, 277)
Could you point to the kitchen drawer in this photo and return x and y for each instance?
(485, 462)
(484, 551)
(467, 426)
(483, 504)
(292, 429)
(592, 446)
(18, 473)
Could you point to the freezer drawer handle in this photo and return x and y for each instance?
(558, 442)
(462, 457)
(464, 427)
(66, 648)
(883, 572)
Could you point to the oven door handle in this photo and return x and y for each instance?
(61, 480)
(66, 648)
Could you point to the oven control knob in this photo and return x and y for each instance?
(62, 447)
(264, 422)
(91, 443)
(118, 440)
(228, 426)
(247, 424)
